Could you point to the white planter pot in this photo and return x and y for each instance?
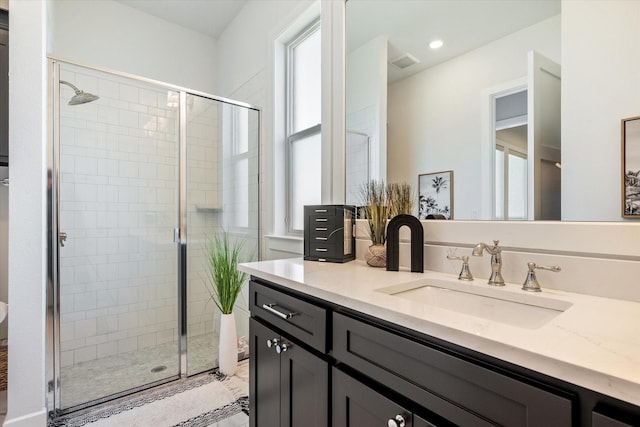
(228, 345)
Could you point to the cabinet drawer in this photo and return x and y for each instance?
(320, 210)
(322, 250)
(330, 237)
(451, 387)
(300, 319)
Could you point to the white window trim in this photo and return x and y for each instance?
(291, 136)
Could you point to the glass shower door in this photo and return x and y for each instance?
(117, 176)
(222, 195)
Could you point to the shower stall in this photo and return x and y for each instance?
(141, 175)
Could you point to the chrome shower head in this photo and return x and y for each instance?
(80, 97)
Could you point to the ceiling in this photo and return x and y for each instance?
(409, 25)
(208, 17)
(463, 25)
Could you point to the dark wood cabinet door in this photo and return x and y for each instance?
(420, 422)
(264, 381)
(356, 405)
(304, 388)
(601, 420)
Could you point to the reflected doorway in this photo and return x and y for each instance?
(511, 156)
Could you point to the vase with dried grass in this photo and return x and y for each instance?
(376, 209)
(381, 202)
(401, 199)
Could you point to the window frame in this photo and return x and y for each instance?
(507, 150)
(236, 156)
(290, 135)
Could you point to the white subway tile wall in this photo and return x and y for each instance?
(118, 206)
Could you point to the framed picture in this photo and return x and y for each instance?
(631, 167)
(435, 195)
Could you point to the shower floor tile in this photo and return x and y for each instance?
(91, 380)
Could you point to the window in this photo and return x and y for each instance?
(240, 159)
(303, 114)
(511, 182)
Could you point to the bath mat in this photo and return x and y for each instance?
(197, 402)
(3, 367)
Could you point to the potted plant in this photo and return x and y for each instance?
(381, 202)
(224, 284)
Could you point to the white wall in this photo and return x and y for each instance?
(603, 88)
(27, 214)
(108, 34)
(435, 115)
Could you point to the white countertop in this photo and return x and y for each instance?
(594, 344)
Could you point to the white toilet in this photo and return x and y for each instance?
(4, 308)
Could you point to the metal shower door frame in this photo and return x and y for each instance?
(52, 345)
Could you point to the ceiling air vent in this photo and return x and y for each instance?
(405, 61)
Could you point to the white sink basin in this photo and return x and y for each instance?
(519, 309)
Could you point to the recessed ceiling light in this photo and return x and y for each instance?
(436, 44)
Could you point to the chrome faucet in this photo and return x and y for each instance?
(496, 261)
(465, 273)
(531, 282)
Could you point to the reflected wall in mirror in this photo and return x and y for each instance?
(427, 109)
(424, 108)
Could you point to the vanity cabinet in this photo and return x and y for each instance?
(344, 368)
(289, 380)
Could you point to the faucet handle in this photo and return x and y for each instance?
(465, 272)
(531, 282)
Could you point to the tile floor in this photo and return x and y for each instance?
(91, 380)
(94, 379)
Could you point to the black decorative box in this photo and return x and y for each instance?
(329, 233)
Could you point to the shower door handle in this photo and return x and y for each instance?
(62, 237)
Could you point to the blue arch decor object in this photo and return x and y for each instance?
(393, 242)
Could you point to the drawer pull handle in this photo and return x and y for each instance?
(321, 219)
(285, 316)
(321, 250)
(321, 228)
(321, 238)
(320, 210)
(281, 348)
(398, 421)
(272, 342)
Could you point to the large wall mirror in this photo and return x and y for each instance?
(486, 104)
